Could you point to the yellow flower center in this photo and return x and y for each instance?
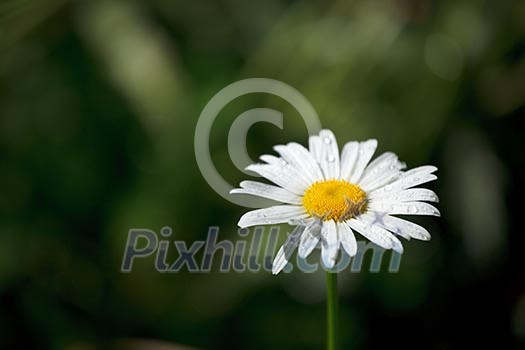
(334, 200)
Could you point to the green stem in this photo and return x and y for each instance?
(332, 311)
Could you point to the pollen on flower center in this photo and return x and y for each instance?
(334, 200)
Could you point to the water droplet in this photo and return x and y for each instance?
(327, 140)
(412, 209)
(330, 158)
(284, 162)
(388, 188)
(416, 178)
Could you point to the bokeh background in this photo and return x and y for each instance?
(98, 105)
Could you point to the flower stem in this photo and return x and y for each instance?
(332, 311)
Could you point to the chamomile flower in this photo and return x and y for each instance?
(329, 196)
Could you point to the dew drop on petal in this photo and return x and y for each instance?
(412, 209)
(327, 140)
(331, 158)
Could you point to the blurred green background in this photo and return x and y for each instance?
(98, 106)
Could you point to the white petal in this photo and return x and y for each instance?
(411, 178)
(348, 159)
(366, 151)
(268, 158)
(329, 243)
(329, 156)
(403, 208)
(278, 214)
(347, 238)
(412, 194)
(381, 181)
(302, 221)
(263, 190)
(309, 239)
(375, 233)
(376, 218)
(285, 252)
(315, 147)
(310, 163)
(385, 163)
(282, 175)
(302, 160)
(402, 227)
(291, 161)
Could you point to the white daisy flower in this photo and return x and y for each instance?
(328, 197)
